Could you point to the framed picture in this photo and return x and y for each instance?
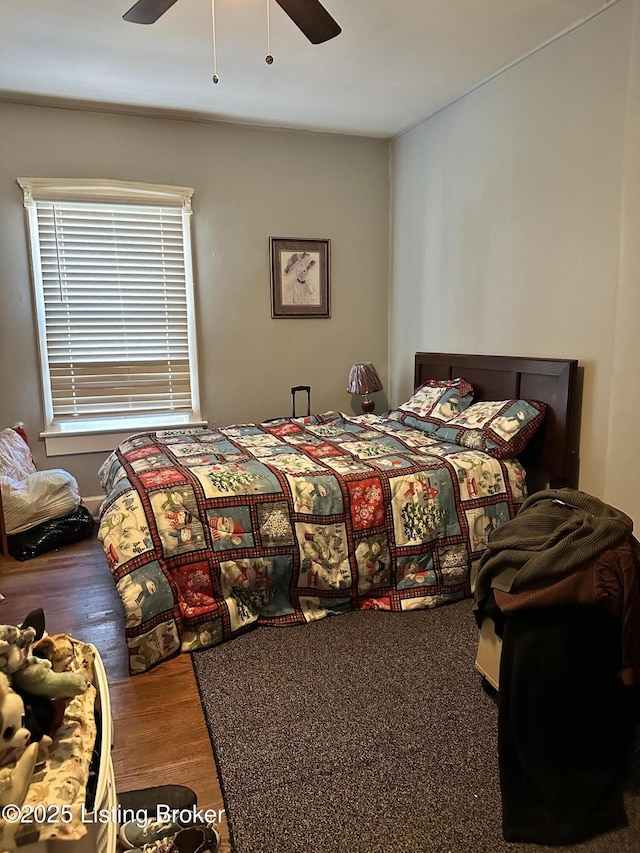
(299, 277)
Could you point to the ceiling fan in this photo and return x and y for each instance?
(310, 16)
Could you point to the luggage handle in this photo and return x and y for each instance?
(296, 388)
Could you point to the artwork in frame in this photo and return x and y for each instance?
(299, 277)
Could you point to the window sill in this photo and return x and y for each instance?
(97, 436)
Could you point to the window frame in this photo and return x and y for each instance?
(102, 433)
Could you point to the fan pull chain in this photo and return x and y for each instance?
(268, 58)
(215, 77)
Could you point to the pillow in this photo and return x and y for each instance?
(500, 428)
(434, 403)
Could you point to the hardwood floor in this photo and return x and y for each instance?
(160, 733)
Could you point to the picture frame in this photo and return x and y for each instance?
(300, 277)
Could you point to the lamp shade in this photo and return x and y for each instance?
(364, 379)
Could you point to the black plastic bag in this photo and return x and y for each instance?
(51, 534)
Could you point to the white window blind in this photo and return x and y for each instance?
(115, 301)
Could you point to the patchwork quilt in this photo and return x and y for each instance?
(210, 532)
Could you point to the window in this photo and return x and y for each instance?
(114, 296)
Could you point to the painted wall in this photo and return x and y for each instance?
(250, 184)
(516, 231)
(622, 467)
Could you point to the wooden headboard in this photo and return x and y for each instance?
(552, 457)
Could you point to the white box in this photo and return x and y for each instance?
(489, 653)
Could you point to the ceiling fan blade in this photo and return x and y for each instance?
(147, 11)
(312, 18)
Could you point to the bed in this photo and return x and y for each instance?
(210, 533)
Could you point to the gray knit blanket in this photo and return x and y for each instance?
(555, 532)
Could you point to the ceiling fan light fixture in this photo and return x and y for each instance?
(309, 16)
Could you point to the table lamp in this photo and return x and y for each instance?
(364, 379)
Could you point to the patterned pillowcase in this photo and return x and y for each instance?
(502, 429)
(434, 403)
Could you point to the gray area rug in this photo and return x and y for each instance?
(367, 732)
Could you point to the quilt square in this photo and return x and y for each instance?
(423, 507)
(416, 571)
(478, 475)
(177, 521)
(274, 524)
(150, 647)
(454, 564)
(295, 463)
(143, 451)
(367, 507)
(315, 607)
(374, 563)
(145, 593)
(346, 465)
(237, 478)
(230, 528)
(324, 557)
(156, 478)
(150, 462)
(316, 494)
(483, 520)
(194, 588)
(205, 634)
(257, 586)
(124, 530)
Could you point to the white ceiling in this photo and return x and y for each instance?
(395, 62)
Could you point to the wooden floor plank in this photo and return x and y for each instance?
(160, 734)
